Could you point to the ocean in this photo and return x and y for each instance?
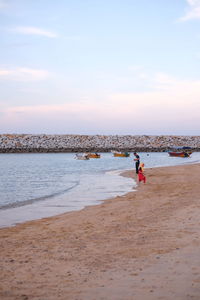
(38, 185)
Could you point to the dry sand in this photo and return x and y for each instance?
(144, 245)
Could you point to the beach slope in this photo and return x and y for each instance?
(141, 246)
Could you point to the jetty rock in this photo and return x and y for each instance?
(13, 143)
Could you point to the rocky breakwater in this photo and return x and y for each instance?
(12, 143)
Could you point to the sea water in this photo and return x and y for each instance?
(38, 185)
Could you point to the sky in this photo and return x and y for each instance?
(100, 67)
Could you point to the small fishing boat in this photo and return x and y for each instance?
(93, 155)
(120, 154)
(179, 154)
(180, 151)
(83, 156)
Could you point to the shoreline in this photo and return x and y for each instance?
(143, 245)
(61, 202)
(49, 206)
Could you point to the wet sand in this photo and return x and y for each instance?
(141, 246)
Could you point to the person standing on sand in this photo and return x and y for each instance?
(137, 162)
(141, 176)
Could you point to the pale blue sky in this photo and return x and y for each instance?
(100, 67)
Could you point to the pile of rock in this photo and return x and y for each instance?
(100, 143)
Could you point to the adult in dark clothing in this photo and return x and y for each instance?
(137, 162)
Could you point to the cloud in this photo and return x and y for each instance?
(34, 31)
(193, 12)
(23, 74)
(171, 106)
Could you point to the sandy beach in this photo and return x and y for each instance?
(141, 246)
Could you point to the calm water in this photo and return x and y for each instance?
(34, 186)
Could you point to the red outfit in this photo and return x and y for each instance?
(141, 176)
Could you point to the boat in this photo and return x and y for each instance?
(120, 154)
(93, 155)
(179, 154)
(83, 156)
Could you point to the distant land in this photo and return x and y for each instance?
(24, 143)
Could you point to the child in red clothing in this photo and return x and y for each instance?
(141, 176)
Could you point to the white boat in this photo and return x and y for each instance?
(81, 156)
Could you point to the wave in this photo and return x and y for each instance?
(31, 201)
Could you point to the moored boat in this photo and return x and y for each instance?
(179, 154)
(120, 154)
(83, 156)
(93, 155)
